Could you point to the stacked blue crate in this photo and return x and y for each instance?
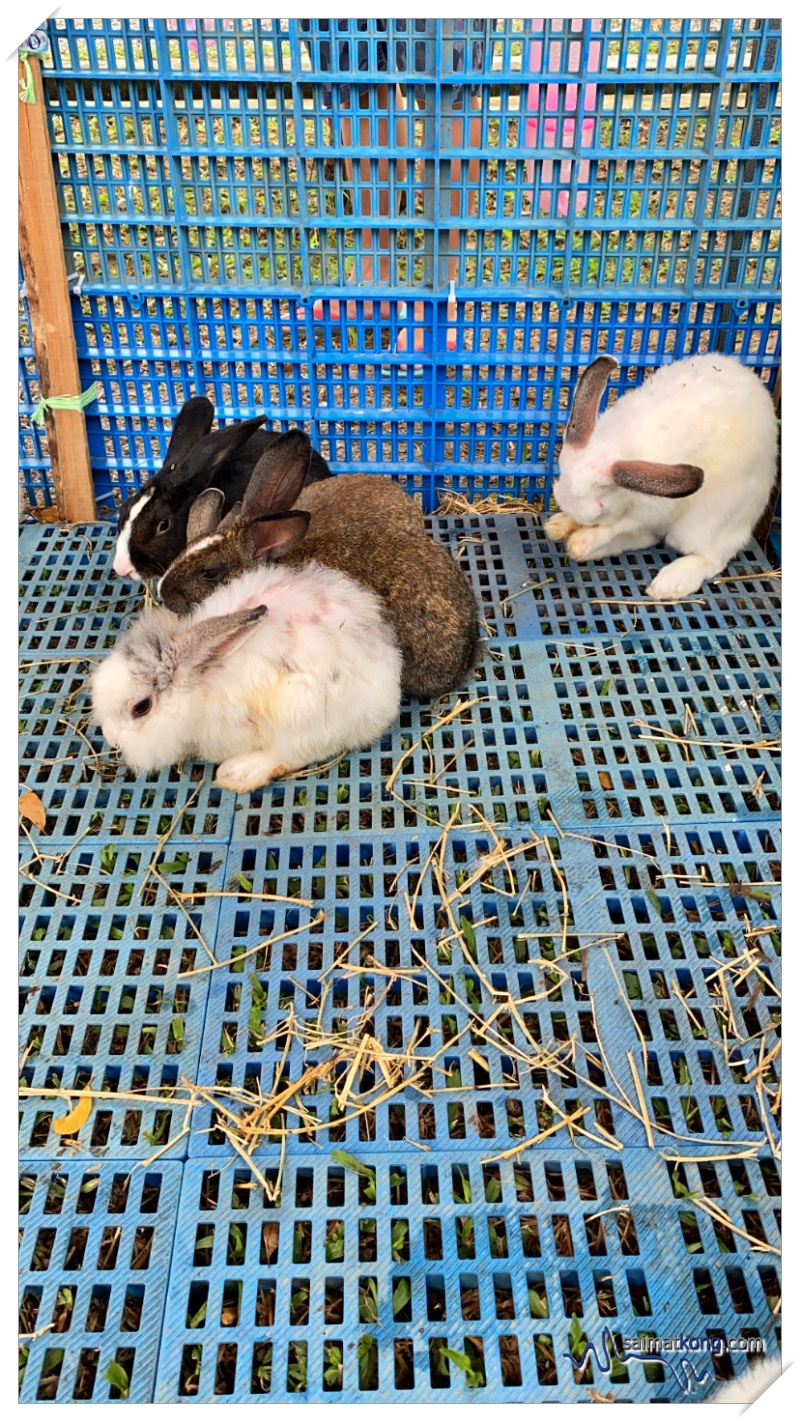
(585, 185)
(588, 185)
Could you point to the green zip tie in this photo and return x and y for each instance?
(67, 402)
(27, 93)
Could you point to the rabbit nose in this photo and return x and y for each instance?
(125, 569)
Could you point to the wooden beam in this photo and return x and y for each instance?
(44, 268)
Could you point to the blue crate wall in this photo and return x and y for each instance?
(584, 185)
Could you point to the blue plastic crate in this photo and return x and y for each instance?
(697, 715)
(441, 997)
(661, 941)
(692, 968)
(95, 1250)
(350, 1289)
(607, 599)
(583, 185)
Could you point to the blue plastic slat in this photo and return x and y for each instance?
(561, 129)
(673, 922)
(669, 728)
(261, 1296)
(608, 599)
(691, 967)
(475, 419)
(96, 1245)
(109, 993)
(366, 890)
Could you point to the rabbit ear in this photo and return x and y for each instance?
(587, 399)
(232, 516)
(191, 424)
(275, 535)
(213, 638)
(279, 475)
(664, 481)
(206, 456)
(204, 514)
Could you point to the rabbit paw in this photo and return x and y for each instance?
(560, 526)
(680, 578)
(246, 772)
(586, 542)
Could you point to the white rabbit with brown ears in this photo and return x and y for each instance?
(710, 423)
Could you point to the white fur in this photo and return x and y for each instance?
(705, 410)
(750, 1384)
(122, 554)
(318, 675)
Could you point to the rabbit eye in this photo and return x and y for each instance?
(164, 526)
(142, 707)
(210, 575)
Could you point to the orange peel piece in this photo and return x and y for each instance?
(77, 1117)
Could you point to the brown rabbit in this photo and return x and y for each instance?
(363, 525)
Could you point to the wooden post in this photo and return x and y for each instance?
(45, 272)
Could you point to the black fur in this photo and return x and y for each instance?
(196, 459)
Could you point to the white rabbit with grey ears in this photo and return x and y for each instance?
(274, 671)
(711, 423)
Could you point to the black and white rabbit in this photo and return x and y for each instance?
(152, 523)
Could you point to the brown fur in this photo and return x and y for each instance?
(363, 496)
(366, 526)
(428, 600)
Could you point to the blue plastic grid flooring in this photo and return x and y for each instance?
(95, 1251)
(108, 991)
(669, 856)
(441, 1252)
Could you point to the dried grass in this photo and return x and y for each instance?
(459, 506)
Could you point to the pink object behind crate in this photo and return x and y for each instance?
(192, 45)
(550, 126)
